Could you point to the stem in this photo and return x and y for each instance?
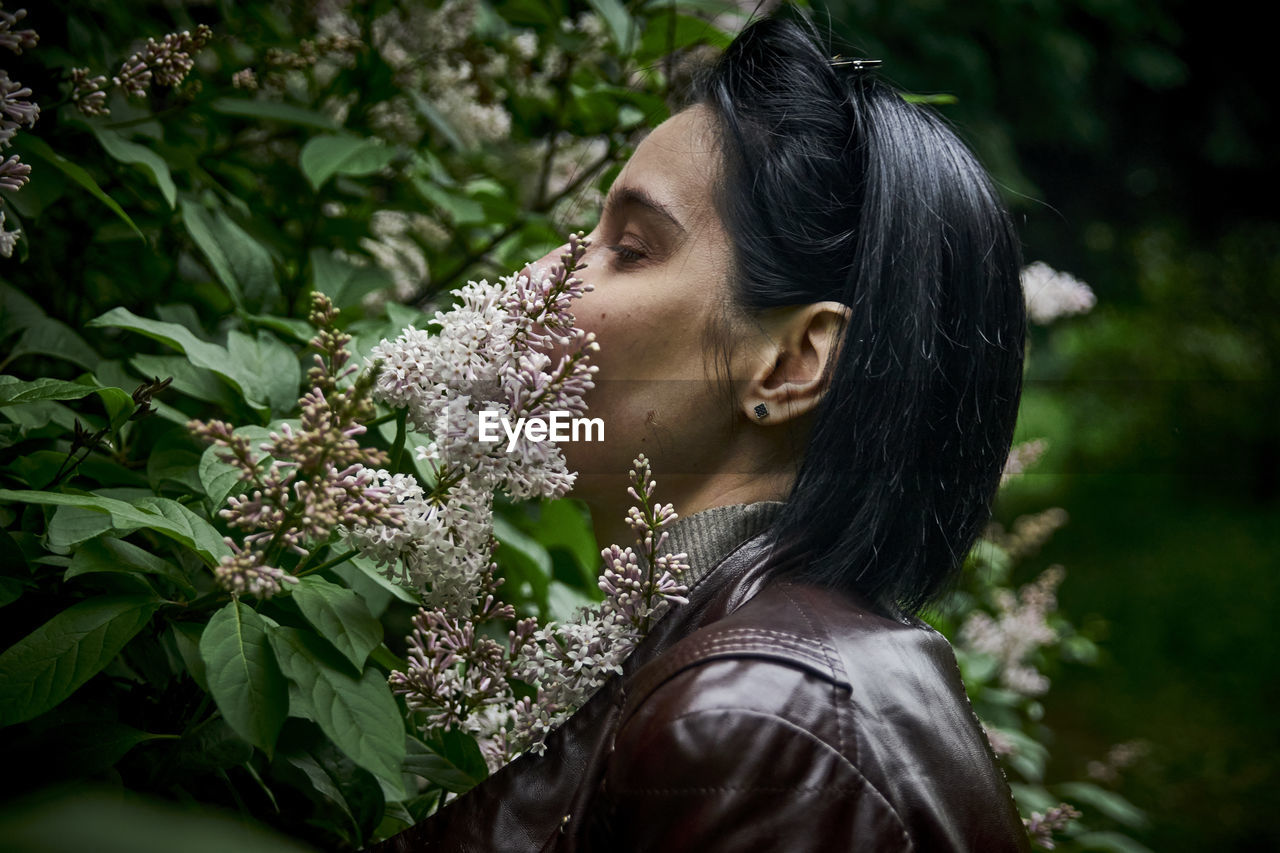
(328, 564)
(67, 466)
(397, 448)
(446, 282)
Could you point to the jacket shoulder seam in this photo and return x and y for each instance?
(827, 652)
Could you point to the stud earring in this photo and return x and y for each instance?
(762, 411)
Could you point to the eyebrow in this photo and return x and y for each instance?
(641, 198)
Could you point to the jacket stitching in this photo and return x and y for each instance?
(821, 636)
(728, 641)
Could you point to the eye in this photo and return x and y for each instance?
(626, 255)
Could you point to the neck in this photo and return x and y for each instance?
(690, 494)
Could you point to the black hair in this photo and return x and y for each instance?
(836, 188)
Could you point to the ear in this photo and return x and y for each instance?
(788, 379)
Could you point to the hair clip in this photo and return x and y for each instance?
(839, 61)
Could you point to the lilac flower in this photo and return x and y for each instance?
(134, 77)
(245, 78)
(1051, 294)
(1021, 457)
(16, 40)
(166, 62)
(457, 677)
(88, 93)
(245, 571)
(1041, 827)
(433, 52)
(15, 111)
(305, 483)
(454, 670)
(1120, 756)
(490, 353)
(1017, 632)
(441, 545)
(8, 239)
(1001, 744)
(1030, 532)
(14, 174)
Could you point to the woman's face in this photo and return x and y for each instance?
(659, 262)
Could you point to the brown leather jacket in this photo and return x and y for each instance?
(762, 716)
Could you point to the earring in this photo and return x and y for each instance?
(762, 411)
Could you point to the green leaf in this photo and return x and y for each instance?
(1109, 842)
(184, 525)
(564, 523)
(133, 154)
(936, 100)
(200, 353)
(363, 577)
(524, 557)
(119, 405)
(159, 514)
(269, 367)
(17, 311)
(197, 382)
(618, 19)
(449, 759)
(10, 590)
(344, 282)
(91, 747)
(239, 262)
(359, 715)
(41, 149)
(273, 111)
(437, 120)
(325, 156)
(47, 336)
(459, 208)
(340, 616)
(49, 664)
(322, 783)
(186, 636)
(219, 479)
(243, 676)
(300, 331)
(14, 391)
(116, 555)
(1088, 795)
(662, 36)
(106, 822)
(174, 467)
(563, 601)
(72, 525)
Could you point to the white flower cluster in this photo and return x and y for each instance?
(458, 677)
(433, 53)
(1017, 632)
(1051, 294)
(490, 353)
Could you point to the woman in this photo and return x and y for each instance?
(810, 320)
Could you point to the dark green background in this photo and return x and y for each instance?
(1135, 142)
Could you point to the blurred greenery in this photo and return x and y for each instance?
(1135, 142)
(1129, 137)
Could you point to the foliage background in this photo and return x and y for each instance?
(1135, 143)
(1128, 142)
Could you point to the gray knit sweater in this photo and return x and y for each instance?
(708, 536)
